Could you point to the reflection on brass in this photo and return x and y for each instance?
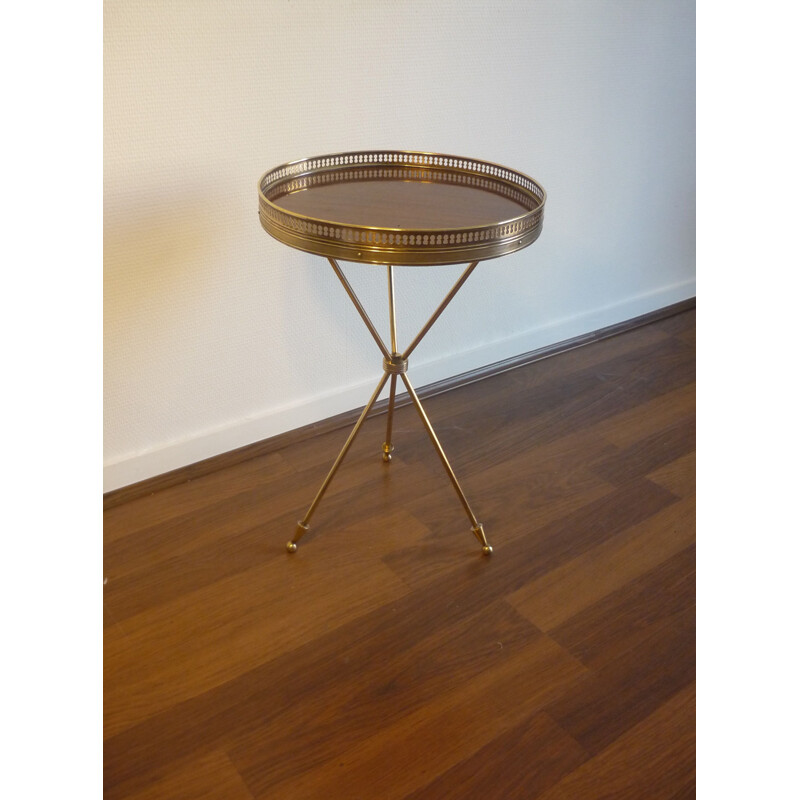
(481, 537)
(396, 365)
(428, 243)
(397, 207)
(291, 545)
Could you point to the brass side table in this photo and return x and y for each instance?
(399, 208)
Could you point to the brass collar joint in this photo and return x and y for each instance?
(396, 365)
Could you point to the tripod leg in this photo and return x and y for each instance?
(477, 528)
(388, 447)
(302, 525)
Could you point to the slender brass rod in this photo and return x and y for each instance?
(357, 303)
(428, 427)
(387, 445)
(392, 317)
(442, 306)
(346, 447)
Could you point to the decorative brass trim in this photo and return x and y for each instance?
(396, 365)
(400, 246)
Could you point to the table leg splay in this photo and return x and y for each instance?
(407, 208)
(394, 364)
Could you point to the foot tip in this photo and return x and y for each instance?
(291, 547)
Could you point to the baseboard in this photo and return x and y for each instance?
(175, 463)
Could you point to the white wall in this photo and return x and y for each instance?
(217, 336)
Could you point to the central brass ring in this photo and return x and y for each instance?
(396, 365)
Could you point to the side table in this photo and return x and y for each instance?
(399, 208)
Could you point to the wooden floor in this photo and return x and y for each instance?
(388, 658)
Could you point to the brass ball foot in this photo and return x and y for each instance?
(387, 452)
(387, 457)
(291, 545)
(481, 537)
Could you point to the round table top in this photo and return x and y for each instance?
(401, 207)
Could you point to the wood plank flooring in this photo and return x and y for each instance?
(388, 658)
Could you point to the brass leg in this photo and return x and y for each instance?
(388, 447)
(394, 364)
(442, 306)
(362, 313)
(302, 525)
(392, 319)
(477, 528)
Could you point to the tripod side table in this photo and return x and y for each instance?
(399, 208)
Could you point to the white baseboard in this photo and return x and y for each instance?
(173, 455)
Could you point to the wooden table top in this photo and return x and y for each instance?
(399, 207)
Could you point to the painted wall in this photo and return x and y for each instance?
(217, 336)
